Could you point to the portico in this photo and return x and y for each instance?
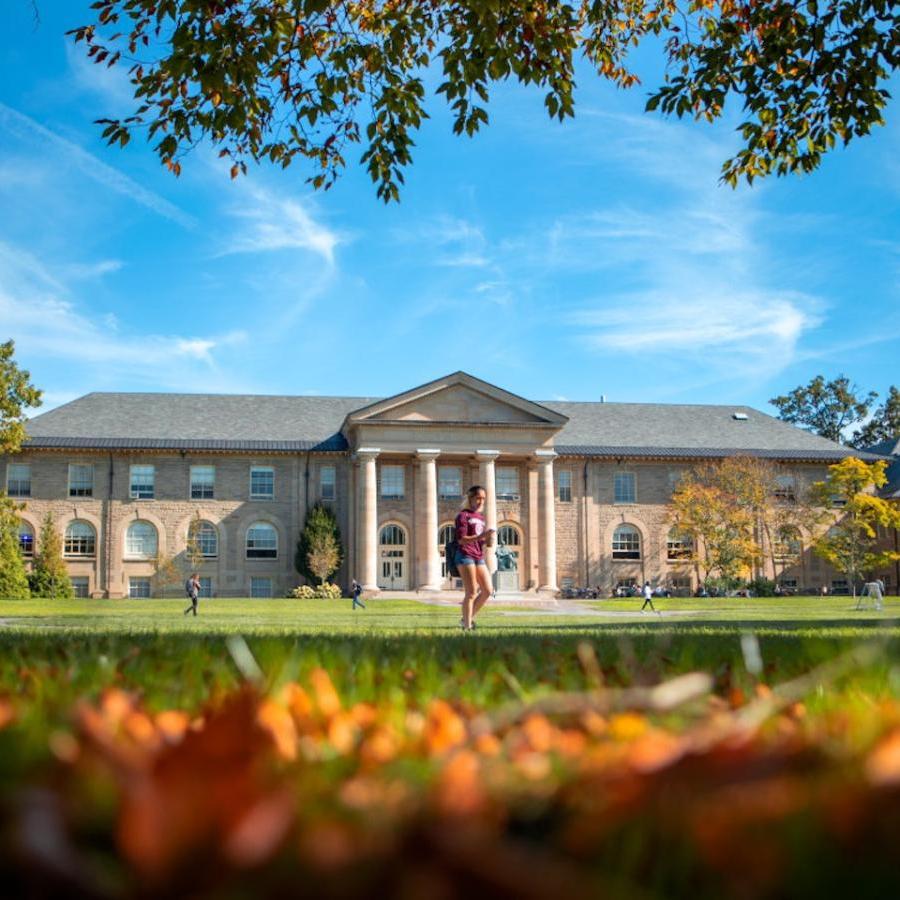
(463, 429)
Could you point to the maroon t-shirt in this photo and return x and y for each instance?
(468, 525)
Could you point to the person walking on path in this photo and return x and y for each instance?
(471, 537)
(648, 597)
(192, 589)
(356, 590)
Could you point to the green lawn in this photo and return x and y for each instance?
(386, 616)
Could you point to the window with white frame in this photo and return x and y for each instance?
(327, 483)
(139, 587)
(450, 482)
(18, 480)
(260, 587)
(80, 586)
(838, 501)
(626, 543)
(26, 539)
(203, 539)
(785, 488)
(80, 540)
(681, 585)
(262, 483)
(141, 540)
(446, 533)
(679, 545)
(392, 536)
(788, 542)
(789, 584)
(507, 481)
(205, 586)
(565, 485)
(81, 480)
(142, 480)
(392, 482)
(624, 487)
(262, 541)
(203, 482)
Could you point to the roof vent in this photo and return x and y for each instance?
(741, 417)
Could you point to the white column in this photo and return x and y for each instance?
(547, 518)
(429, 574)
(367, 519)
(487, 480)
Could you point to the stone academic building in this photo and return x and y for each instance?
(579, 492)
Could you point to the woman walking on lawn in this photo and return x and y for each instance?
(471, 537)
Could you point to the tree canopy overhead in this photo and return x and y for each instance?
(277, 79)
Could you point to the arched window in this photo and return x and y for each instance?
(679, 545)
(141, 540)
(508, 536)
(26, 539)
(262, 541)
(203, 540)
(788, 542)
(626, 543)
(81, 539)
(445, 533)
(392, 535)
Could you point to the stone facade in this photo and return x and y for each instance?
(558, 508)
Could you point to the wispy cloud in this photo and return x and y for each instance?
(455, 242)
(90, 166)
(48, 323)
(275, 222)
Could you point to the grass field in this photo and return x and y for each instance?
(273, 746)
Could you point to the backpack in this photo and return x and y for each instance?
(450, 550)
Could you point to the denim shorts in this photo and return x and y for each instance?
(462, 560)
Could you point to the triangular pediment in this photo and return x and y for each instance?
(458, 398)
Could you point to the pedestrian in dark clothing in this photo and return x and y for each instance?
(356, 590)
(192, 589)
(648, 597)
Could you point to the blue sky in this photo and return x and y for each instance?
(600, 256)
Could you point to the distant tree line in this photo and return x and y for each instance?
(840, 411)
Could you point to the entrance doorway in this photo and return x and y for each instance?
(392, 570)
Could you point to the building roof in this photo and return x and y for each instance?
(195, 422)
(263, 423)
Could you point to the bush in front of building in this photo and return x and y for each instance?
(320, 592)
(13, 577)
(49, 578)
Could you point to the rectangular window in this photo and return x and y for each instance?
(138, 587)
(142, 482)
(681, 586)
(80, 586)
(327, 483)
(203, 482)
(839, 586)
(205, 586)
(565, 485)
(392, 482)
(507, 479)
(789, 583)
(81, 480)
(785, 490)
(262, 483)
(26, 540)
(18, 480)
(449, 482)
(675, 476)
(260, 587)
(624, 487)
(837, 501)
(567, 584)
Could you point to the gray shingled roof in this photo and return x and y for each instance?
(679, 429)
(196, 422)
(276, 423)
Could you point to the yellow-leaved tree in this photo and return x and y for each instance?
(851, 544)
